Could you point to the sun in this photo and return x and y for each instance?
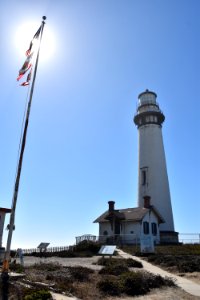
(24, 35)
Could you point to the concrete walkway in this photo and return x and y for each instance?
(62, 297)
(187, 285)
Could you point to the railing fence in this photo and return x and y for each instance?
(185, 238)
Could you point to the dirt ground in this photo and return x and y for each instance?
(156, 294)
(195, 276)
(162, 294)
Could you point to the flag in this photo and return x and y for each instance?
(26, 66)
(29, 53)
(35, 37)
(25, 83)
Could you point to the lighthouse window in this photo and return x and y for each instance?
(147, 119)
(144, 177)
(154, 228)
(156, 119)
(146, 227)
(151, 118)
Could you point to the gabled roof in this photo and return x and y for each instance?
(135, 214)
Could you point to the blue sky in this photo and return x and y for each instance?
(82, 147)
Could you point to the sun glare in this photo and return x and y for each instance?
(24, 35)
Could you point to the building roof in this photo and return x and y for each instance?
(5, 210)
(129, 214)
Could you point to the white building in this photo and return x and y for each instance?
(3, 212)
(152, 169)
(129, 225)
(153, 219)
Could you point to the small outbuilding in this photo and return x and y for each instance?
(3, 212)
(129, 225)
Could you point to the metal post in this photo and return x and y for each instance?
(11, 226)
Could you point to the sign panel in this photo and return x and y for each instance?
(107, 250)
(43, 245)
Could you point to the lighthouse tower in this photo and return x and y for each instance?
(152, 173)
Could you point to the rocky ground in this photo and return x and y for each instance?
(77, 276)
(71, 277)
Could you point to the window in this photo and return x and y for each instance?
(146, 227)
(105, 232)
(147, 119)
(154, 228)
(144, 177)
(151, 118)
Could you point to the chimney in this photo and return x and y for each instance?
(111, 205)
(147, 201)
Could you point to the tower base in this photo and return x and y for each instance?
(169, 237)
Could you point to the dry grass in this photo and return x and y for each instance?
(161, 294)
(194, 276)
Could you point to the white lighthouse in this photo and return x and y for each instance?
(152, 172)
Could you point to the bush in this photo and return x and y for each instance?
(156, 281)
(114, 270)
(88, 246)
(39, 295)
(49, 267)
(110, 286)
(129, 262)
(16, 268)
(134, 284)
(80, 273)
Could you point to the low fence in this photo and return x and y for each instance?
(48, 250)
(133, 239)
(189, 238)
(185, 238)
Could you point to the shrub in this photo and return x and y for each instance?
(110, 286)
(114, 270)
(134, 284)
(39, 295)
(80, 273)
(16, 268)
(130, 283)
(155, 281)
(87, 246)
(49, 267)
(129, 262)
(189, 266)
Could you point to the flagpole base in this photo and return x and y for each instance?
(5, 285)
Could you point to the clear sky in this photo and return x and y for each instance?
(82, 148)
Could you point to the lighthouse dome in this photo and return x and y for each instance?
(147, 97)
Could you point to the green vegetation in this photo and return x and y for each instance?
(83, 249)
(118, 279)
(114, 270)
(180, 258)
(17, 268)
(80, 273)
(132, 283)
(38, 295)
(181, 249)
(129, 262)
(180, 263)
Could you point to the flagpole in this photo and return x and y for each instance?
(19, 167)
